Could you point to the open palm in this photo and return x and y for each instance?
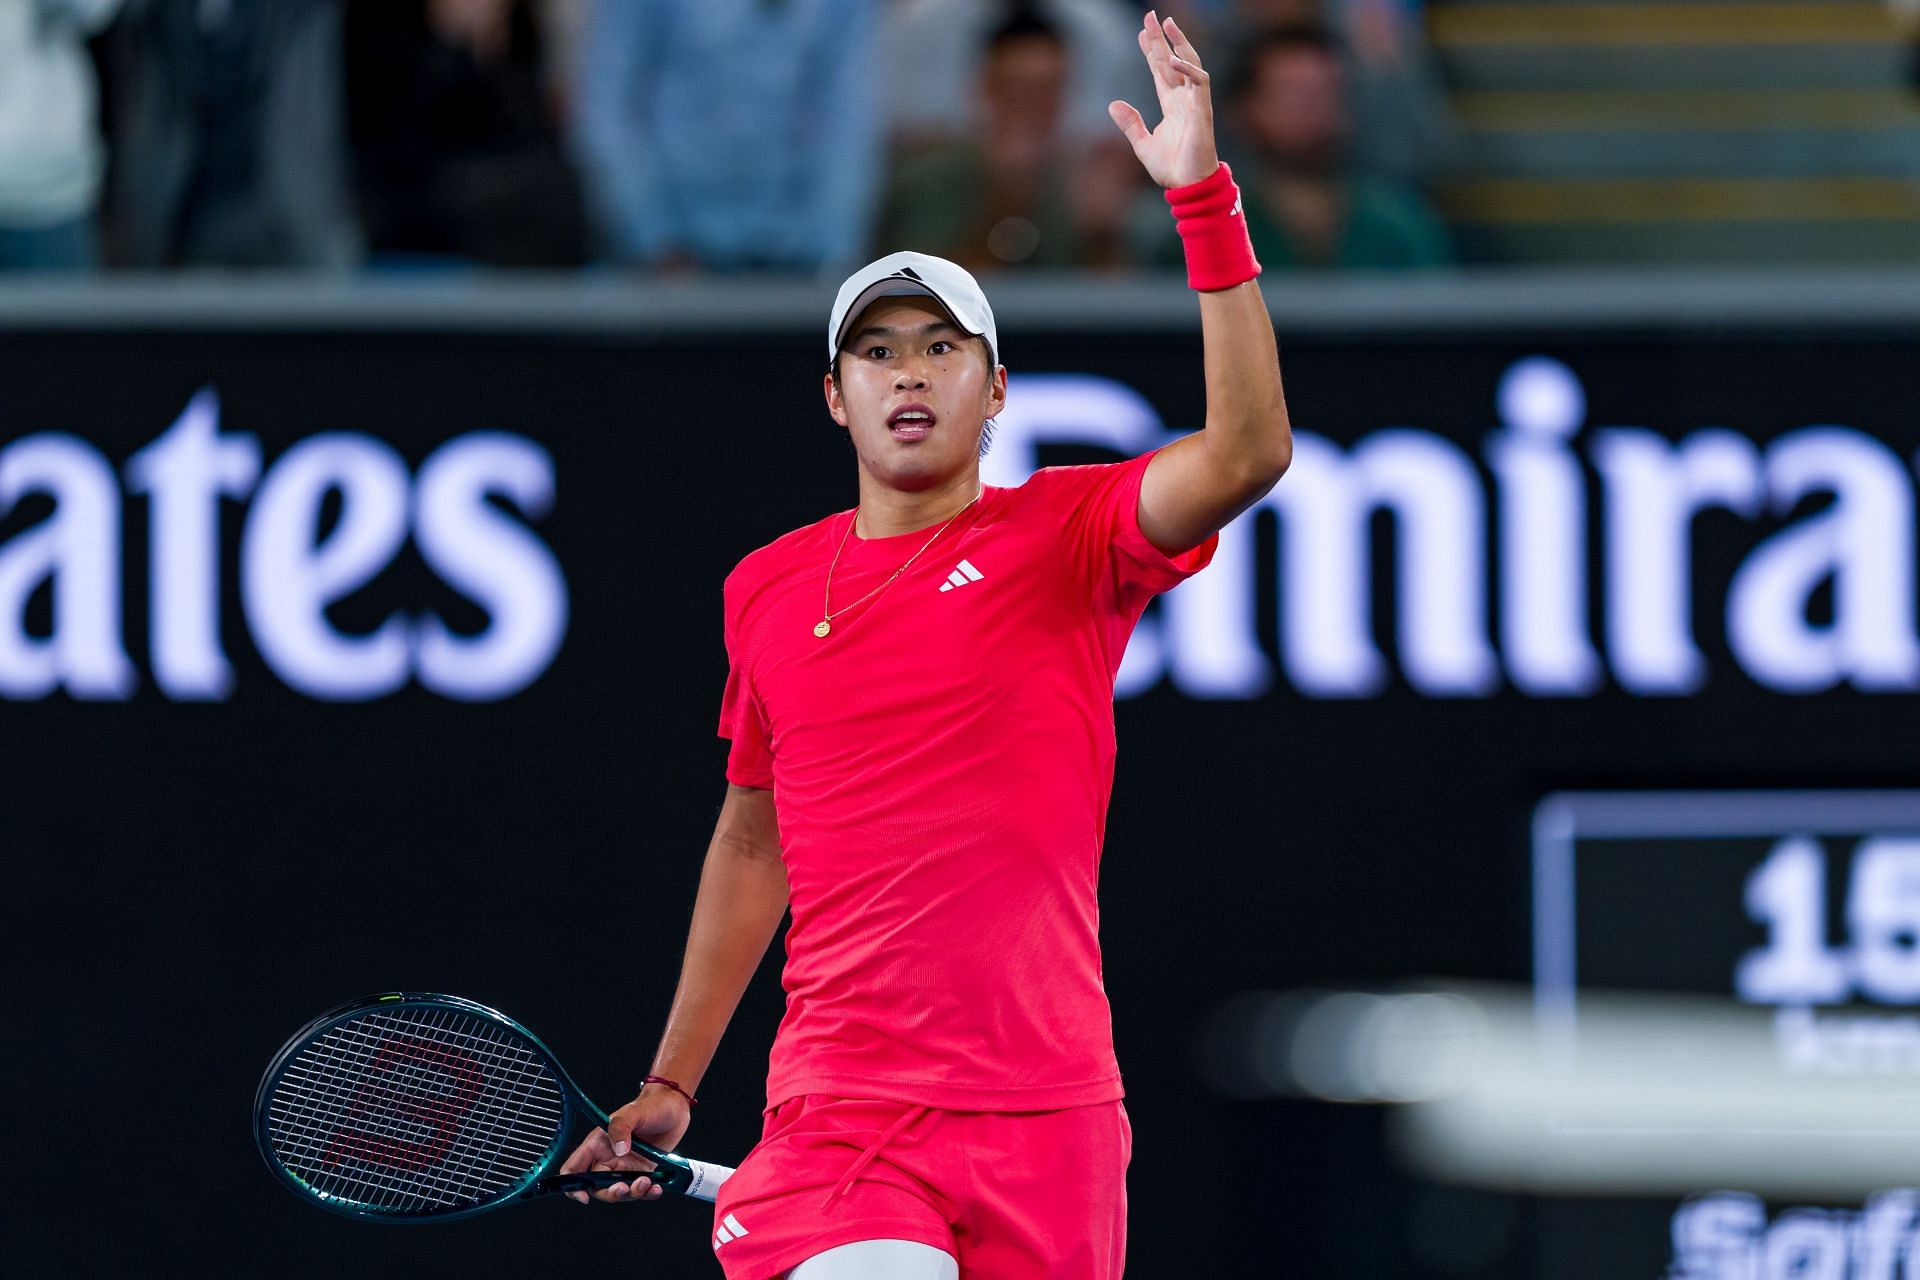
(1180, 150)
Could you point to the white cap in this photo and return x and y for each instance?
(906, 274)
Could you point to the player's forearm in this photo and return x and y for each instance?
(1248, 442)
(742, 897)
(1199, 483)
(1247, 425)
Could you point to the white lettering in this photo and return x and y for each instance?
(1788, 894)
(1543, 531)
(292, 570)
(1653, 492)
(187, 471)
(496, 562)
(1716, 1237)
(1067, 409)
(1205, 636)
(1439, 515)
(1725, 1236)
(1883, 917)
(1864, 543)
(289, 577)
(1326, 633)
(1797, 966)
(1808, 1244)
(1847, 1044)
(77, 550)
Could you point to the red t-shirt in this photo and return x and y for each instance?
(941, 765)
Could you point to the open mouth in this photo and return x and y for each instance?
(911, 422)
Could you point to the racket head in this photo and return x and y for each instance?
(414, 1107)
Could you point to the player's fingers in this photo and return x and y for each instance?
(1124, 115)
(1154, 45)
(1181, 45)
(592, 1147)
(1189, 71)
(613, 1194)
(619, 1131)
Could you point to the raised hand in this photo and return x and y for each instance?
(1180, 150)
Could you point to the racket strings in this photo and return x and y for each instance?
(432, 1101)
(374, 1138)
(387, 1147)
(405, 1115)
(403, 1140)
(409, 1110)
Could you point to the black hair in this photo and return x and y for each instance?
(1024, 21)
(1297, 37)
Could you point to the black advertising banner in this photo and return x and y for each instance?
(334, 662)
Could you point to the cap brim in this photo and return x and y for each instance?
(892, 287)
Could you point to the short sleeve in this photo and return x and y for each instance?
(1101, 506)
(743, 721)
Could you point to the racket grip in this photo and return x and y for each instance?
(679, 1176)
(599, 1180)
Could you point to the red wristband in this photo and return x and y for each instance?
(673, 1085)
(1214, 230)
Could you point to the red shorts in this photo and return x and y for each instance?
(1039, 1195)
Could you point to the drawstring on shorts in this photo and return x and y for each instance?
(887, 1135)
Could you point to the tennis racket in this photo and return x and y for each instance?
(407, 1107)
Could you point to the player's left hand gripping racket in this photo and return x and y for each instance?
(421, 1108)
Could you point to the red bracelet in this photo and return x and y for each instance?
(673, 1085)
(1214, 230)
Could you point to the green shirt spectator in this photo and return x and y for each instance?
(1386, 227)
(1306, 206)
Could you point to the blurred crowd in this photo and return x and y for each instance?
(688, 136)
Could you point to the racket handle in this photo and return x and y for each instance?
(561, 1183)
(676, 1175)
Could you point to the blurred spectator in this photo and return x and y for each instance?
(563, 26)
(229, 144)
(454, 142)
(1305, 206)
(51, 152)
(1906, 15)
(1403, 126)
(935, 47)
(1011, 193)
(733, 134)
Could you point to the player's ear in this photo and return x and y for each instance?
(836, 403)
(997, 391)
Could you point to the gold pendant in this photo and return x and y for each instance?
(821, 628)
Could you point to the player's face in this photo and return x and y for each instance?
(913, 393)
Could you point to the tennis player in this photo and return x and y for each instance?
(920, 709)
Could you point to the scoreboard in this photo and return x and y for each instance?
(1802, 903)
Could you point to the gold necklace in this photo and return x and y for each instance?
(825, 625)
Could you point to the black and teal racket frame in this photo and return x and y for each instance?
(673, 1173)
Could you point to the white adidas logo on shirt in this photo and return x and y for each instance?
(730, 1229)
(962, 576)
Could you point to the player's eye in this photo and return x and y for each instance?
(940, 347)
(878, 353)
